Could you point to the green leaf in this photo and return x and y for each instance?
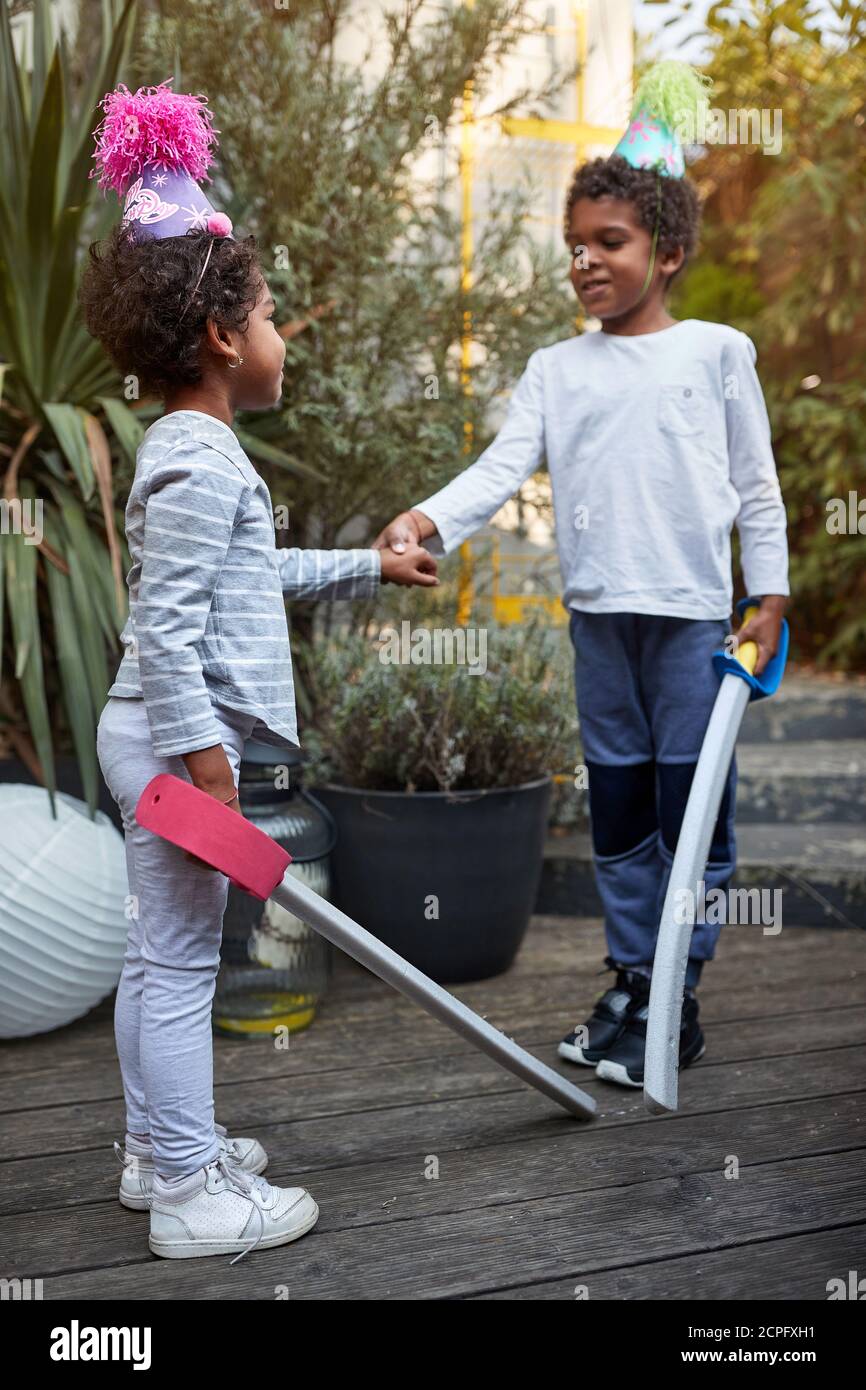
(21, 560)
(2, 602)
(93, 562)
(67, 422)
(42, 181)
(78, 187)
(60, 304)
(128, 429)
(87, 371)
(269, 453)
(15, 145)
(43, 45)
(82, 715)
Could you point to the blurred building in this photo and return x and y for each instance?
(512, 565)
(585, 120)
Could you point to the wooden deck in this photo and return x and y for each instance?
(528, 1203)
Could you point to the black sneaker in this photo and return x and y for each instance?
(624, 1061)
(608, 1018)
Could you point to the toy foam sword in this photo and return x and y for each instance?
(684, 892)
(253, 862)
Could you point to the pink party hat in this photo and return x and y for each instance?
(153, 147)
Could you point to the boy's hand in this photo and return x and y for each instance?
(408, 527)
(764, 628)
(407, 563)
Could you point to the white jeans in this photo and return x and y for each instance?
(162, 1015)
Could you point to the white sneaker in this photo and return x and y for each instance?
(221, 1209)
(137, 1160)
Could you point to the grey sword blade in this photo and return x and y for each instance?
(368, 950)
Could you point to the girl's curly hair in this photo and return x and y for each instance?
(135, 298)
(613, 176)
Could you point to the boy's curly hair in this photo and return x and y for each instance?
(135, 298)
(612, 175)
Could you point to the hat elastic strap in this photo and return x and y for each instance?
(652, 258)
(198, 281)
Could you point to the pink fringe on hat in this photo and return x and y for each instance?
(153, 126)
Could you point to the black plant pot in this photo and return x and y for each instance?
(448, 880)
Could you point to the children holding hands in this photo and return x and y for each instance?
(657, 442)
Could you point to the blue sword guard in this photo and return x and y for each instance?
(768, 682)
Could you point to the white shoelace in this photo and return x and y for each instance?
(249, 1185)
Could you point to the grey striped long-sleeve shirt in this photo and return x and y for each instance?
(207, 588)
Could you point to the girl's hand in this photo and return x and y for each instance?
(764, 629)
(210, 770)
(407, 528)
(410, 565)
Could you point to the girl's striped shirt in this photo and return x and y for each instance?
(207, 588)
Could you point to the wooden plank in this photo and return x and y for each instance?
(395, 1190)
(443, 1072)
(777, 1270)
(338, 1047)
(819, 956)
(537, 1240)
(779, 1088)
(468, 1104)
(387, 1027)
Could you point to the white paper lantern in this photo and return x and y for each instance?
(63, 903)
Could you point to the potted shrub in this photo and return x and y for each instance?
(438, 774)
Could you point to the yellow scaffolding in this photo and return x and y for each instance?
(577, 135)
(517, 607)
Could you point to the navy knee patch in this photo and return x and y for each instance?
(622, 805)
(675, 781)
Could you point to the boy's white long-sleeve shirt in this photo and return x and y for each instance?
(656, 445)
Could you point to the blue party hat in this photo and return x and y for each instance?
(666, 105)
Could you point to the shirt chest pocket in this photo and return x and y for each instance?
(683, 408)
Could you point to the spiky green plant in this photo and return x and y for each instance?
(62, 596)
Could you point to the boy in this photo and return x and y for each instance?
(657, 441)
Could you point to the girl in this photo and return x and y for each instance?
(657, 441)
(182, 305)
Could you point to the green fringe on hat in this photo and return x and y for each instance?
(672, 91)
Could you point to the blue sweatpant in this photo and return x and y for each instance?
(645, 690)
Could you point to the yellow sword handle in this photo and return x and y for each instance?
(747, 652)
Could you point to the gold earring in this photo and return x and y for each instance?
(235, 364)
